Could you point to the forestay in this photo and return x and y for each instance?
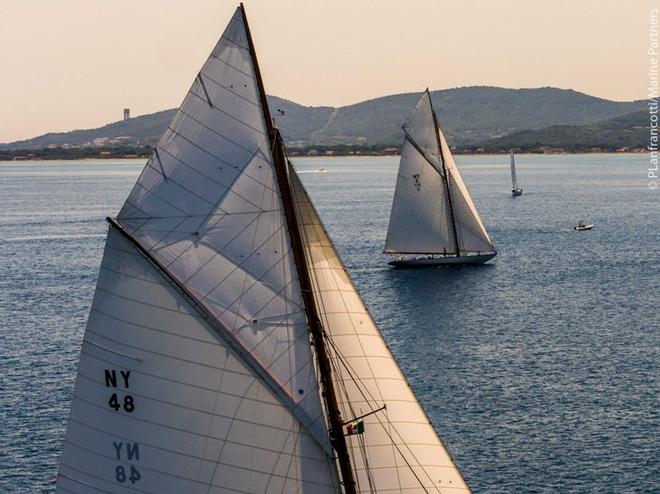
(399, 450)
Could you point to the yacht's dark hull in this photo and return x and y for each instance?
(424, 262)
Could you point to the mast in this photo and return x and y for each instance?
(337, 438)
(446, 177)
(514, 181)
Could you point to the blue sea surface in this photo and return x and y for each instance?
(539, 370)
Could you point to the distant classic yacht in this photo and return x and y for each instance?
(433, 221)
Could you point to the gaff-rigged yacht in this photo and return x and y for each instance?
(433, 221)
(227, 350)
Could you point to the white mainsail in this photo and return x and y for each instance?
(207, 209)
(420, 221)
(514, 179)
(196, 371)
(432, 211)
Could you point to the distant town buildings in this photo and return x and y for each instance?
(107, 141)
(127, 113)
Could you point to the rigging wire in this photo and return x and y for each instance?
(357, 380)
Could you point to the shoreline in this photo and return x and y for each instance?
(96, 159)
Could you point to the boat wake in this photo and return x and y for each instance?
(52, 237)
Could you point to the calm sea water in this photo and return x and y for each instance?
(540, 370)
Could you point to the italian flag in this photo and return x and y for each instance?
(357, 428)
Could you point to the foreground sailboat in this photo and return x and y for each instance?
(227, 350)
(433, 220)
(515, 189)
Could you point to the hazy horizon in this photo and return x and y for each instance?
(73, 64)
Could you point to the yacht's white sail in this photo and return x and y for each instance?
(207, 210)
(164, 405)
(471, 233)
(207, 207)
(432, 211)
(207, 366)
(516, 190)
(420, 222)
(514, 179)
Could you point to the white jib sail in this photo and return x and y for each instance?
(472, 235)
(399, 450)
(207, 210)
(422, 221)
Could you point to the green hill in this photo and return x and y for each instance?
(627, 131)
(469, 115)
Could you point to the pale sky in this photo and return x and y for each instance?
(68, 64)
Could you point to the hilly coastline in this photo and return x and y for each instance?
(474, 118)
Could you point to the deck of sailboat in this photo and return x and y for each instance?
(430, 261)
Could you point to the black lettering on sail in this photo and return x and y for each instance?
(111, 378)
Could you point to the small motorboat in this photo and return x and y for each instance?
(581, 226)
(323, 170)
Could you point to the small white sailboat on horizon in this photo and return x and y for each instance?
(516, 190)
(227, 350)
(433, 220)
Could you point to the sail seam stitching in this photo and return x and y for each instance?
(231, 339)
(229, 188)
(228, 89)
(258, 131)
(231, 66)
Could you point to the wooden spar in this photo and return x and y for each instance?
(446, 177)
(337, 438)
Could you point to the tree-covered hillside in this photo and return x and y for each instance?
(628, 131)
(469, 115)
